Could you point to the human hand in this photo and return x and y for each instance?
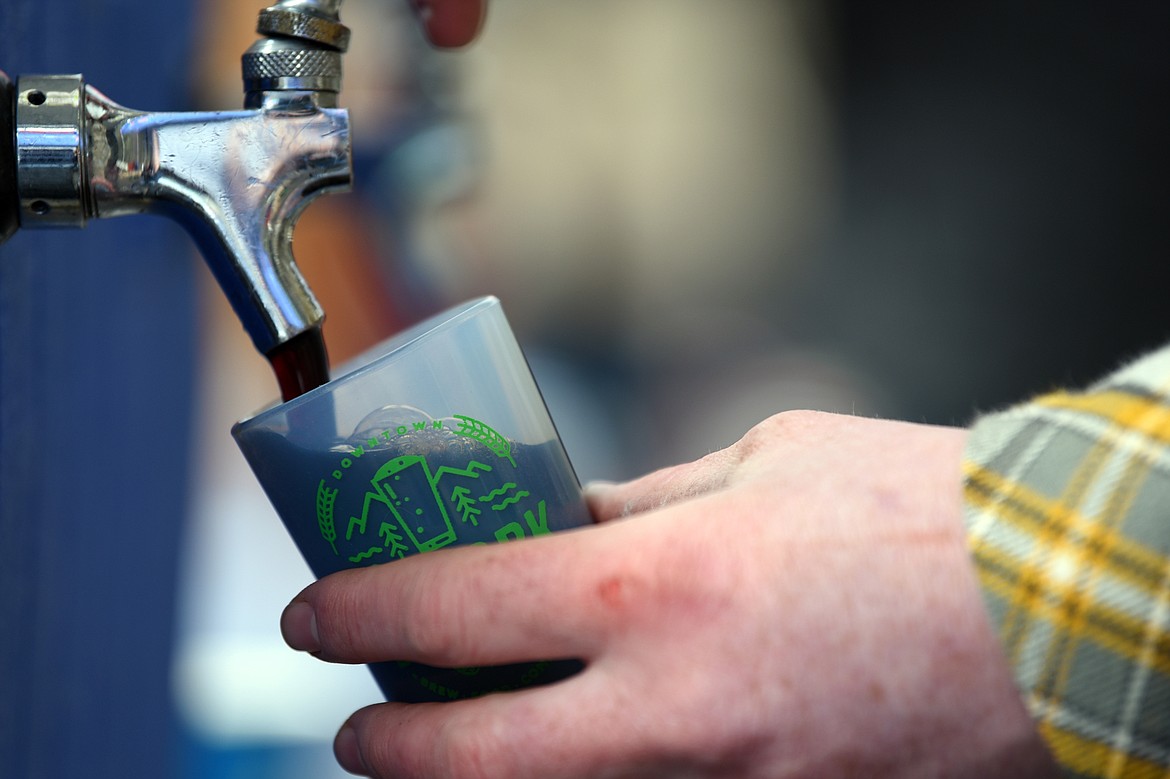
(800, 604)
(450, 23)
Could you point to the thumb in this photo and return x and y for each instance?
(661, 488)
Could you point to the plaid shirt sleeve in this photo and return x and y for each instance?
(1067, 503)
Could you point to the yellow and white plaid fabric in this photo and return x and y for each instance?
(1068, 519)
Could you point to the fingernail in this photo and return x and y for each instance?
(298, 624)
(345, 749)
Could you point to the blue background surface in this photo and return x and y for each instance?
(97, 347)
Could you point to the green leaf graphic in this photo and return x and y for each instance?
(465, 504)
(392, 540)
(476, 430)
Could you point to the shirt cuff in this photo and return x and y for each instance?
(1067, 505)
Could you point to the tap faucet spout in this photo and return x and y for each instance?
(237, 180)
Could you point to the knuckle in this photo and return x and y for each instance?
(681, 583)
(474, 754)
(424, 640)
(432, 627)
(785, 425)
(386, 757)
(340, 620)
(483, 748)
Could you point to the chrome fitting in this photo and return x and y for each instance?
(306, 24)
(237, 180)
(300, 53)
(51, 152)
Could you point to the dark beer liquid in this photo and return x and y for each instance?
(301, 363)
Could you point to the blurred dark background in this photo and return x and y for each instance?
(1004, 215)
(697, 213)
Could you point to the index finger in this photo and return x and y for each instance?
(479, 605)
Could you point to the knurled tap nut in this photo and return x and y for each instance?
(303, 63)
(310, 27)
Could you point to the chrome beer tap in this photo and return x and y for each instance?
(237, 180)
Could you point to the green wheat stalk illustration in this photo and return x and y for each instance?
(325, 499)
(478, 431)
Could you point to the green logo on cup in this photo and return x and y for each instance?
(427, 485)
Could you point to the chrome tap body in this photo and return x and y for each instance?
(237, 180)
